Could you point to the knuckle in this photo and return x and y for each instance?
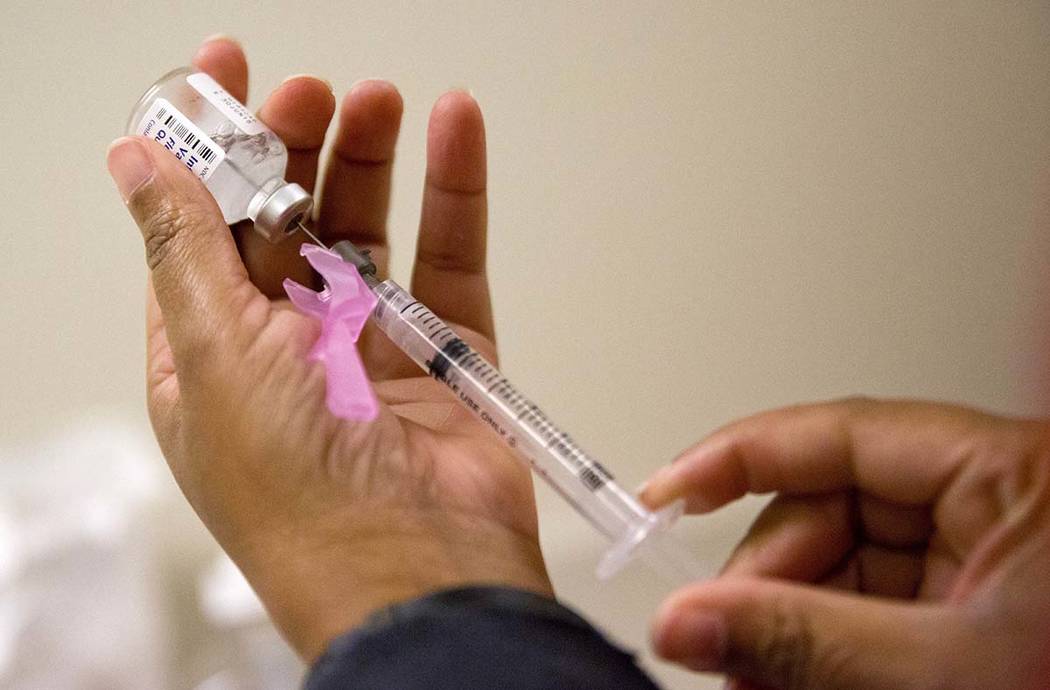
(791, 655)
(785, 648)
(158, 234)
(197, 357)
(834, 663)
(450, 260)
(167, 225)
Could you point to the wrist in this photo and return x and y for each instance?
(320, 582)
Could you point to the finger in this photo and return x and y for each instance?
(899, 451)
(355, 199)
(298, 111)
(886, 572)
(796, 538)
(222, 58)
(356, 190)
(200, 282)
(449, 273)
(813, 539)
(792, 636)
(845, 576)
(893, 525)
(162, 383)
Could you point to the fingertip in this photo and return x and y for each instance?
(660, 624)
(130, 164)
(150, 180)
(218, 47)
(687, 634)
(370, 119)
(120, 142)
(377, 97)
(222, 57)
(310, 87)
(220, 36)
(663, 620)
(705, 476)
(314, 77)
(299, 111)
(456, 143)
(658, 634)
(459, 106)
(657, 490)
(457, 113)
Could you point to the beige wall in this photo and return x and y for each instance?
(699, 209)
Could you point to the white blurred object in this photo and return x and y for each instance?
(99, 572)
(10, 616)
(256, 658)
(76, 609)
(226, 598)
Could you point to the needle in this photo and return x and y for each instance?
(344, 249)
(309, 234)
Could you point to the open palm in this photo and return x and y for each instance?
(239, 410)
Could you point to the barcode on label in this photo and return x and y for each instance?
(179, 129)
(166, 125)
(594, 477)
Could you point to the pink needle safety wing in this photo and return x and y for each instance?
(342, 307)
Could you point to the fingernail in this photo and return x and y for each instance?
(459, 90)
(661, 476)
(130, 165)
(645, 491)
(220, 37)
(309, 76)
(367, 80)
(695, 639)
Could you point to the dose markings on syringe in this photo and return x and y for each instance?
(590, 471)
(454, 352)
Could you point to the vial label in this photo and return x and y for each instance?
(227, 104)
(174, 131)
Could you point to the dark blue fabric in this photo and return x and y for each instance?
(477, 637)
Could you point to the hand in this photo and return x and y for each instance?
(328, 520)
(934, 519)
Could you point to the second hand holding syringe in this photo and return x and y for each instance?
(521, 424)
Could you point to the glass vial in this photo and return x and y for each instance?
(238, 158)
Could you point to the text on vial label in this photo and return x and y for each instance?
(174, 131)
(227, 104)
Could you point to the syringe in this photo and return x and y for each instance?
(553, 455)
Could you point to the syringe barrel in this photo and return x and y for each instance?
(481, 388)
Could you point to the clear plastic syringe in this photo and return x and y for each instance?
(553, 455)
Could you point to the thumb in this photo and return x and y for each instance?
(790, 636)
(200, 282)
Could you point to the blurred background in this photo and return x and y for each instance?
(698, 210)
